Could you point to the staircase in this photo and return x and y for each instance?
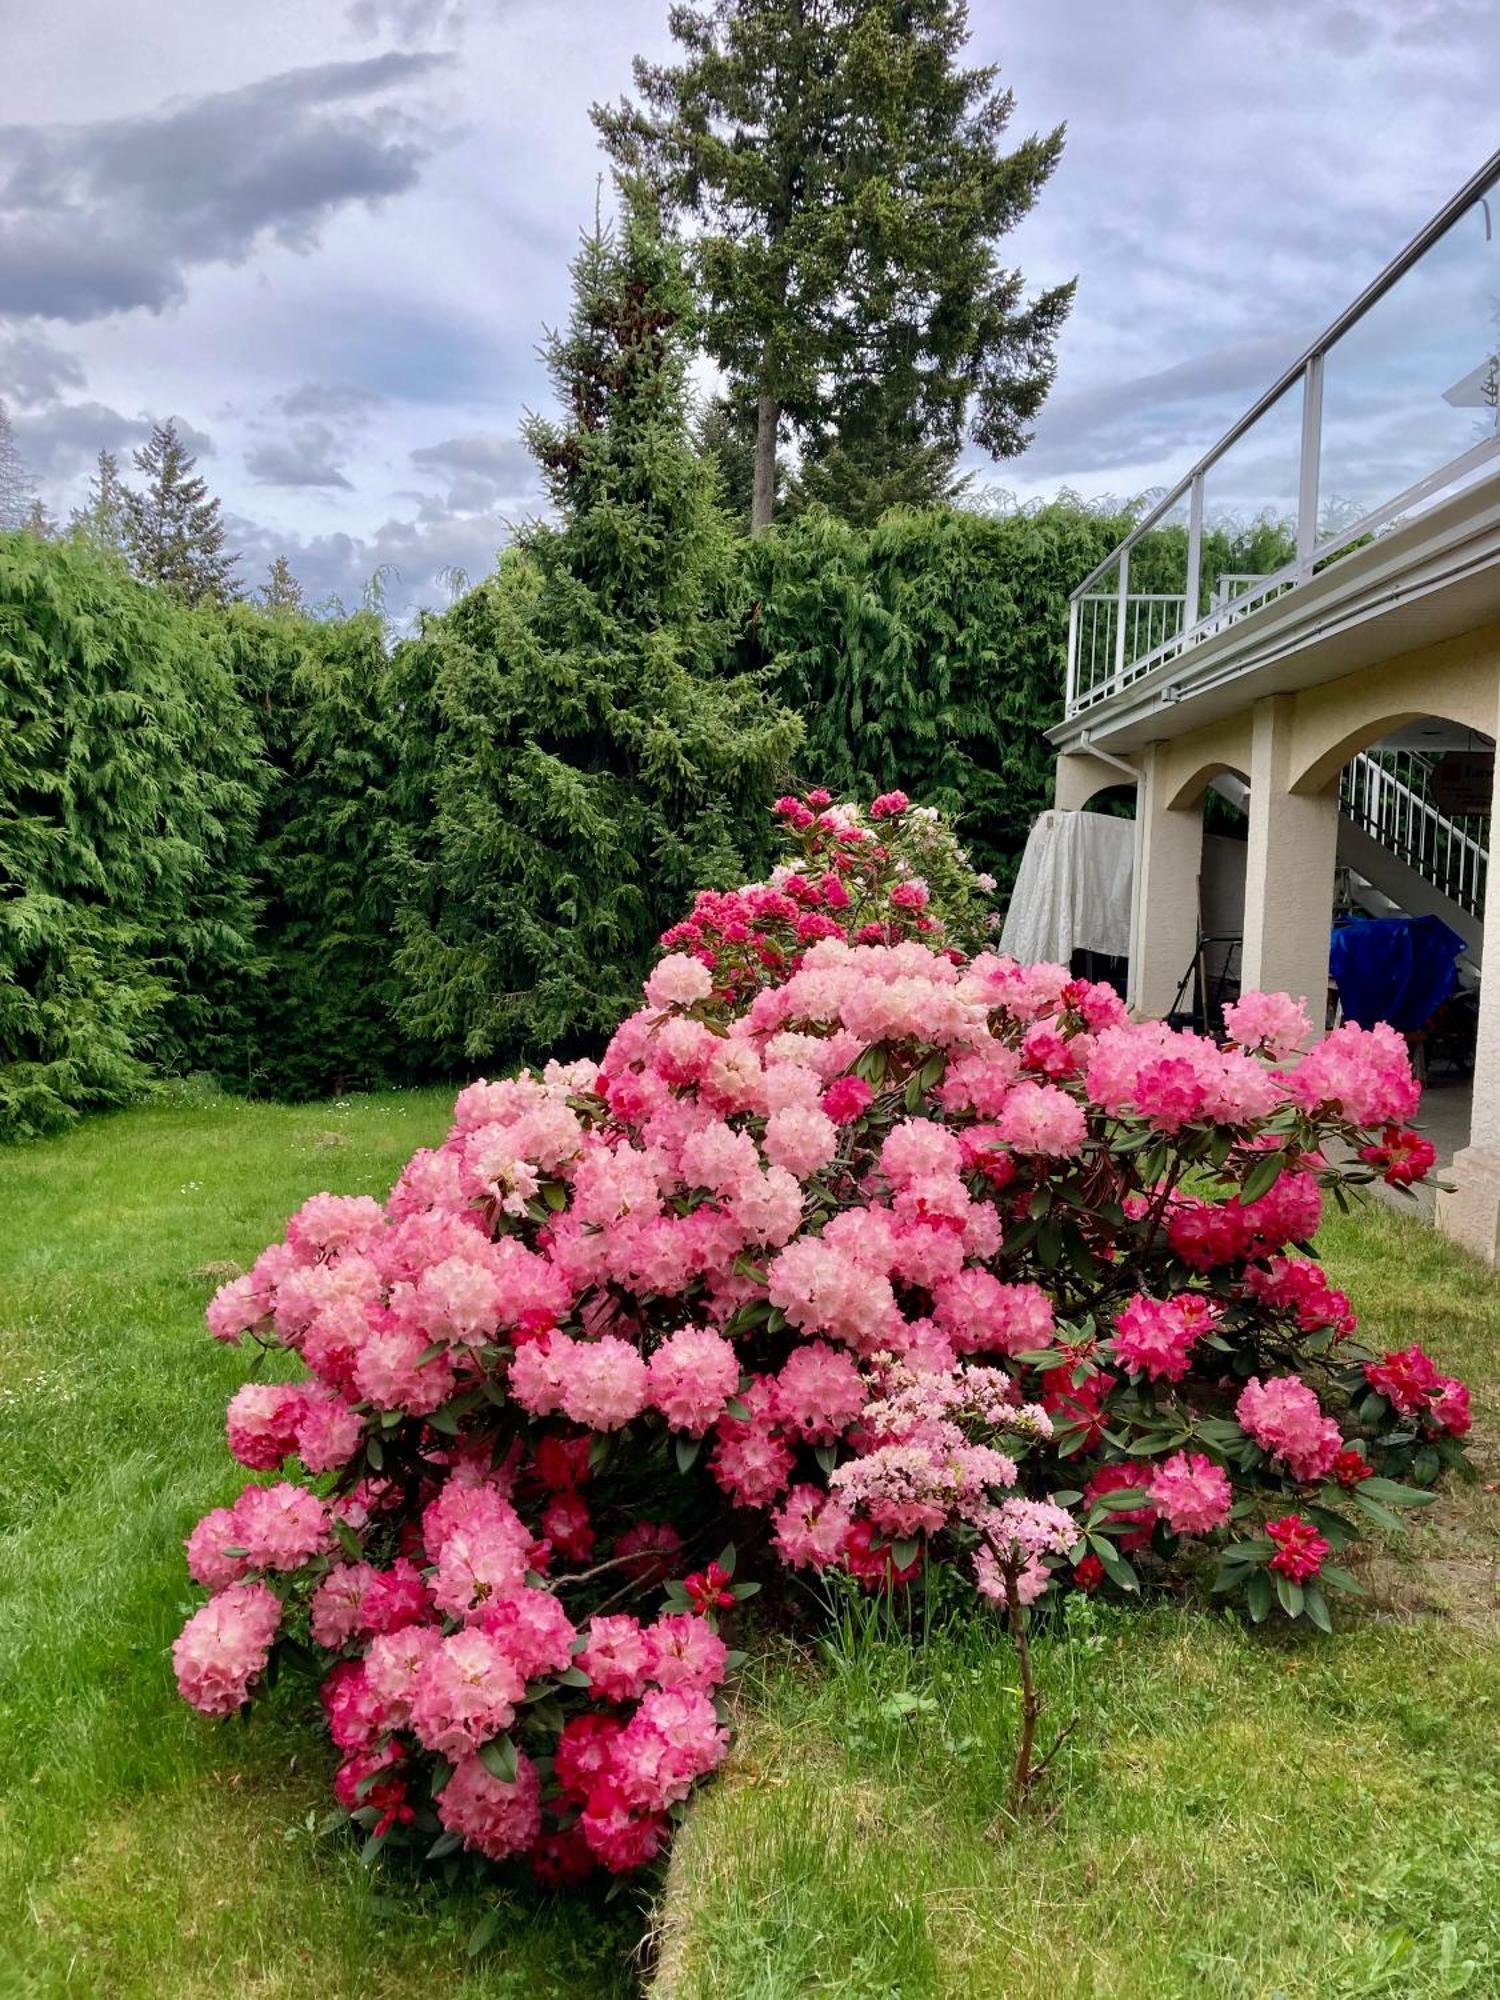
(1403, 851)
(1399, 851)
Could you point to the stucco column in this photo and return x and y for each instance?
(1168, 861)
(1471, 1213)
(1289, 868)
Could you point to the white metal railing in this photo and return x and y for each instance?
(1103, 645)
(1109, 625)
(1388, 794)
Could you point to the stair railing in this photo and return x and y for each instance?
(1387, 793)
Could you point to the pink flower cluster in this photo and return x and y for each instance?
(885, 1243)
(1285, 1418)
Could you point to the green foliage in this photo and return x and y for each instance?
(574, 759)
(172, 526)
(281, 592)
(846, 180)
(17, 493)
(129, 786)
(102, 519)
(929, 652)
(320, 1014)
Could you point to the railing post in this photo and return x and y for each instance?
(1120, 613)
(1194, 581)
(1312, 448)
(1070, 696)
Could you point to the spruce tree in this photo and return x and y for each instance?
(173, 528)
(17, 495)
(281, 593)
(102, 518)
(577, 761)
(844, 176)
(39, 522)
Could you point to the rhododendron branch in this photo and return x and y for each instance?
(1015, 1613)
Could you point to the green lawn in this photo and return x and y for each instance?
(1246, 1815)
(143, 1850)
(1235, 1815)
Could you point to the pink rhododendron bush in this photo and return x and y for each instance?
(855, 1253)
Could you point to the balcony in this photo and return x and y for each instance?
(1380, 427)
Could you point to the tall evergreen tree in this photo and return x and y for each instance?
(576, 759)
(102, 517)
(173, 528)
(17, 494)
(845, 175)
(281, 592)
(39, 522)
(724, 432)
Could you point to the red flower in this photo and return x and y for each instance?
(706, 1590)
(1402, 1156)
(1351, 1466)
(1088, 1572)
(563, 1462)
(535, 1323)
(1300, 1549)
(875, 1568)
(1449, 1410)
(1406, 1379)
(1118, 1478)
(566, 1524)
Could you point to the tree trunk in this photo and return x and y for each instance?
(763, 491)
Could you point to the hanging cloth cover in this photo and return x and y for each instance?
(1396, 969)
(1073, 889)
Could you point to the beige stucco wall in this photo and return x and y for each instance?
(1080, 776)
(1458, 680)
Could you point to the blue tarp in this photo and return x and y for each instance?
(1396, 969)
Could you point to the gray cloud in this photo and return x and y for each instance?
(329, 399)
(1117, 423)
(411, 21)
(65, 439)
(503, 461)
(416, 564)
(305, 457)
(102, 218)
(33, 370)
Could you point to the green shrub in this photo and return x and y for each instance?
(929, 651)
(320, 1016)
(129, 785)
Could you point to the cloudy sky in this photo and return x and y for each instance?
(327, 236)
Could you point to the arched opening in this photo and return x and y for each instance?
(1207, 802)
(1409, 897)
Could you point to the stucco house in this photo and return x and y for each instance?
(1344, 695)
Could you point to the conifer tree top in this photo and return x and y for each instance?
(173, 527)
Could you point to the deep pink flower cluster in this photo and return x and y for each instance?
(1410, 1382)
(854, 1244)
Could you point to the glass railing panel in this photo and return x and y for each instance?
(1415, 383)
(1250, 510)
